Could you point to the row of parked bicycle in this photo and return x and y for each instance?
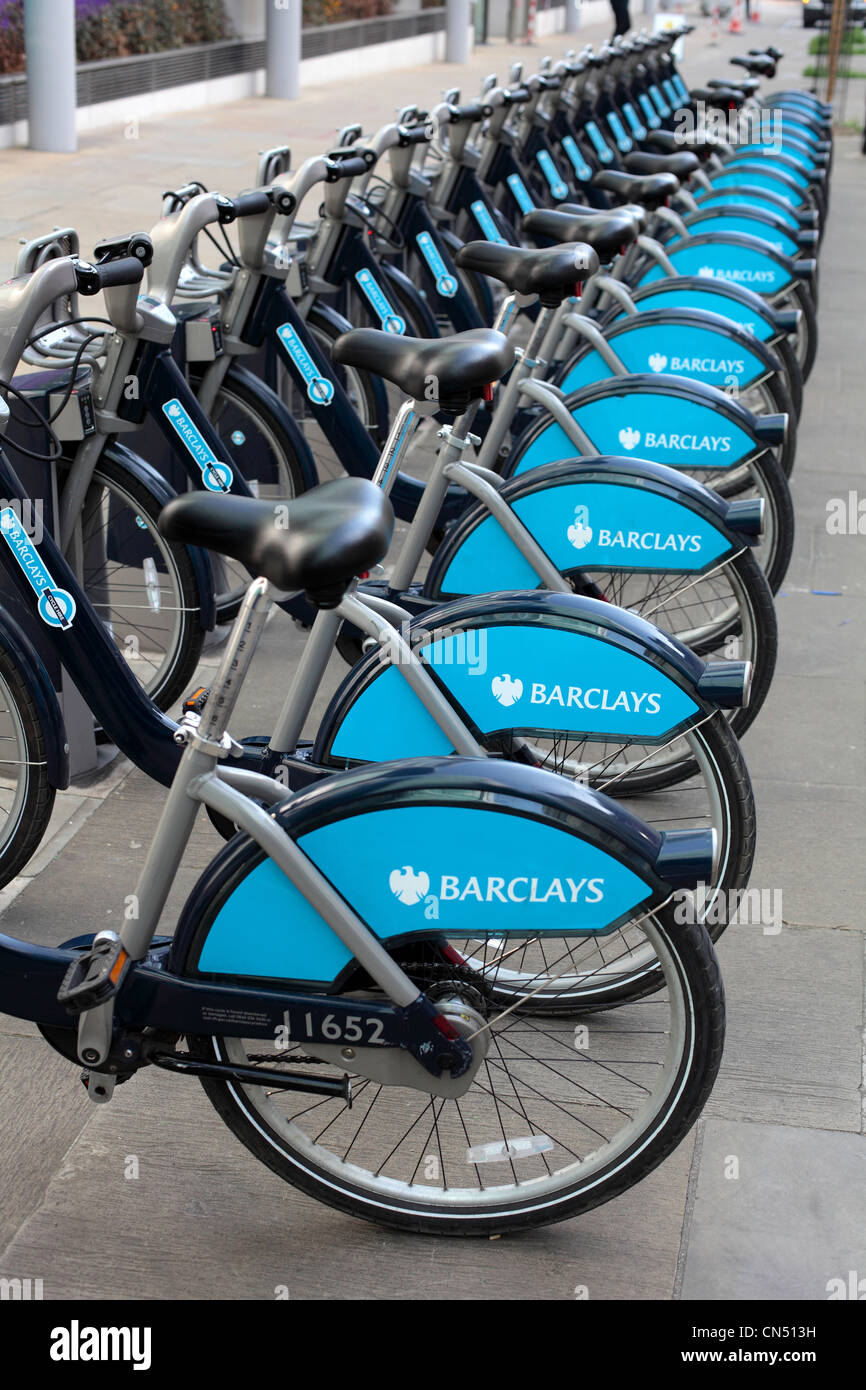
(562, 333)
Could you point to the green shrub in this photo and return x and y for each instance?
(317, 12)
(120, 28)
(854, 40)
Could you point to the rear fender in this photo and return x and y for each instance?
(534, 663)
(696, 344)
(666, 419)
(604, 513)
(428, 848)
(694, 293)
(731, 256)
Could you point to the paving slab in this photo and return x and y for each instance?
(791, 1225)
(203, 1219)
(793, 1045)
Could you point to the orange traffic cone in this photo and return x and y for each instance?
(755, 16)
(714, 31)
(736, 24)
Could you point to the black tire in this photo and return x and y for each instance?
(768, 481)
(24, 822)
(806, 355)
(100, 541)
(694, 968)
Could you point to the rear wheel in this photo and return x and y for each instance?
(549, 1128)
(726, 614)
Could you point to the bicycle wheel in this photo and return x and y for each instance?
(265, 455)
(143, 587)
(726, 613)
(358, 386)
(547, 1130)
(26, 795)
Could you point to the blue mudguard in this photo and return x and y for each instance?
(762, 175)
(535, 663)
(426, 848)
(667, 419)
(734, 257)
(691, 343)
(595, 514)
(694, 292)
(751, 221)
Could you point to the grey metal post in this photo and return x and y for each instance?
(457, 18)
(283, 48)
(49, 38)
(572, 16)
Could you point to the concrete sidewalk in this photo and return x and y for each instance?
(767, 1198)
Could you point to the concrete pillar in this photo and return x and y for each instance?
(49, 39)
(572, 16)
(457, 20)
(283, 48)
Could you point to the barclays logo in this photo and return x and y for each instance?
(629, 438)
(506, 689)
(412, 887)
(580, 532)
(658, 361)
(408, 886)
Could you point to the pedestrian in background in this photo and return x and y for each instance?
(622, 22)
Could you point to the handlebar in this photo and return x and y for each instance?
(515, 96)
(347, 164)
(471, 112)
(91, 279)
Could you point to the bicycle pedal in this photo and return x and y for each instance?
(94, 977)
(195, 703)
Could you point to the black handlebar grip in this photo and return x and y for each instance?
(414, 135)
(472, 111)
(349, 168)
(252, 204)
(93, 278)
(520, 94)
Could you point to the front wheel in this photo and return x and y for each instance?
(26, 794)
(266, 456)
(552, 1125)
(143, 587)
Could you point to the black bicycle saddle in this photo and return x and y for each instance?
(319, 541)
(607, 232)
(552, 274)
(451, 371)
(650, 190)
(680, 165)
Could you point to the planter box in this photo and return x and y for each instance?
(124, 79)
